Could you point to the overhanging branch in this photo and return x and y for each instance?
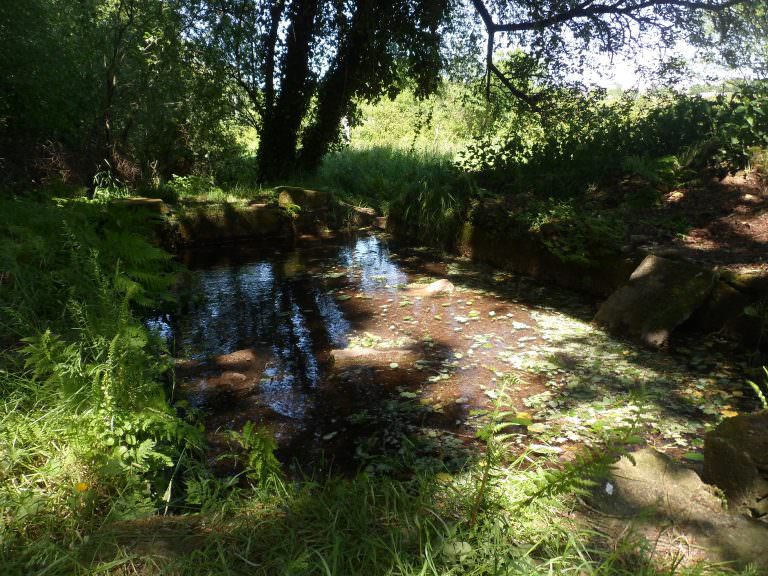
(587, 9)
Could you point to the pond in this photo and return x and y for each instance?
(338, 348)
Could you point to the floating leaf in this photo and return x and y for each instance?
(694, 456)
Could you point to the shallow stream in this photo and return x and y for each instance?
(336, 348)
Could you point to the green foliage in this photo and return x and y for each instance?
(86, 431)
(656, 171)
(741, 123)
(196, 189)
(192, 186)
(582, 140)
(759, 392)
(566, 228)
(107, 186)
(261, 466)
(580, 476)
(423, 193)
(103, 81)
(439, 125)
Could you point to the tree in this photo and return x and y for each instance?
(302, 64)
(102, 85)
(305, 62)
(556, 31)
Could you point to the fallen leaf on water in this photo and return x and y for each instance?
(694, 456)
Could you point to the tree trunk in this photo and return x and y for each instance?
(276, 13)
(337, 89)
(279, 137)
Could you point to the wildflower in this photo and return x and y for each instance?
(81, 487)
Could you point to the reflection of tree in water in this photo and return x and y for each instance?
(262, 304)
(230, 308)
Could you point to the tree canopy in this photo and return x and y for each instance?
(304, 64)
(144, 88)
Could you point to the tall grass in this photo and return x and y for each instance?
(422, 192)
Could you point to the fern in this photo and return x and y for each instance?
(581, 475)
(261, 465)
(758, 392)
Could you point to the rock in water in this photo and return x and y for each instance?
(660, 295)
(442, 286)
(736, 460)
(359, 356)
(437, 288)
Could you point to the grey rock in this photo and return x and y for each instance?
(660, 295)
(654, 498)
(736, 460)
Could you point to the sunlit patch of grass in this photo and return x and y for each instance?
(422, 191)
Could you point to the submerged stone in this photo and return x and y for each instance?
(437, 288)
(359, 356)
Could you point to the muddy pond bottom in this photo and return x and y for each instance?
(357, 354)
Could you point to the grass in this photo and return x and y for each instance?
(362, 525)
(422, 192)
(195, 189)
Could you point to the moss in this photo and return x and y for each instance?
(212, 223)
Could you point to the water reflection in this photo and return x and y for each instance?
(282, 301)
(373, 260)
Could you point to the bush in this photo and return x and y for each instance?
(582, 140)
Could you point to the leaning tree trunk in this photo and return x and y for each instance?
(337, 89)
(279, 137)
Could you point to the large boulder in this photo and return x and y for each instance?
(752, 282)
(736, 460)
(650, 497)
(660, 295)
(724, 306)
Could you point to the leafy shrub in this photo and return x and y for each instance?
(741, 123)
(656, 171)
(584, 139)
(107, 186)
(193, 187)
